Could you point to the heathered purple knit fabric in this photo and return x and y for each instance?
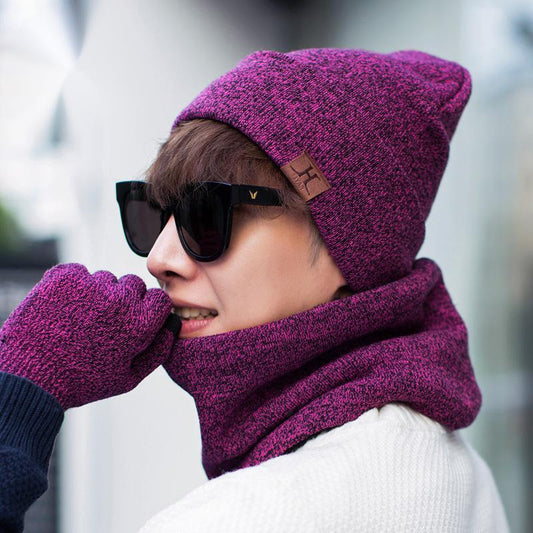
(378, 127)
(84, 337)
(263, 390)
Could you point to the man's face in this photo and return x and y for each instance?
(263, 276)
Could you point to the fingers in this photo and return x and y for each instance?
(155, 355)
(104, 277)
(132, 285)
(129, 285)
(149, 308)
(158, 305)
(67, 270)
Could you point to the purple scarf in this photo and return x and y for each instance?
(263, 391)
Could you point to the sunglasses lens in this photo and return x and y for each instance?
(203, 217)
(143, 222)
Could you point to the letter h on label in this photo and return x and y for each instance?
(309, 178)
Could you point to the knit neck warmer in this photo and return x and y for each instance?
(261, 392)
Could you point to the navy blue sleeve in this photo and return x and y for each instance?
(30, 419)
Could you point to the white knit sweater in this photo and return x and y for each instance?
(391, 470)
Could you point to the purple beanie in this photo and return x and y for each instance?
(363, 137)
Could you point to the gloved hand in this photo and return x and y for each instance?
(84, 337)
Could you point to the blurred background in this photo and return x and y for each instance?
(88, 90)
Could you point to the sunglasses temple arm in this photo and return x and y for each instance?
(245, 194)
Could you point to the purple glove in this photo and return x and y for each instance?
(84, 337)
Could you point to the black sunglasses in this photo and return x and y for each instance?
(203, 215)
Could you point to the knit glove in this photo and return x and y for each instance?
(84, 337)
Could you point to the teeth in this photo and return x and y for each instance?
(193, 312)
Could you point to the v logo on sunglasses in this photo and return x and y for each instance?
(203, 218)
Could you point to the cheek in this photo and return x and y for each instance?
(249, 275)
(268, 252)
(273, 264)
(261, 278)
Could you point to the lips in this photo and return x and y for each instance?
(190, 326)
(194, 313)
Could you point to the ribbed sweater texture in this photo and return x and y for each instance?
(392, 470)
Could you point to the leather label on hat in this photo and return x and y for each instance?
(305, 176)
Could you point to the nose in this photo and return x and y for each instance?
(167, 259)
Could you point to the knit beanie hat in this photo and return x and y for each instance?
(362, 136)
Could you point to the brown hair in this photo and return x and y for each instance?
(203, 149)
